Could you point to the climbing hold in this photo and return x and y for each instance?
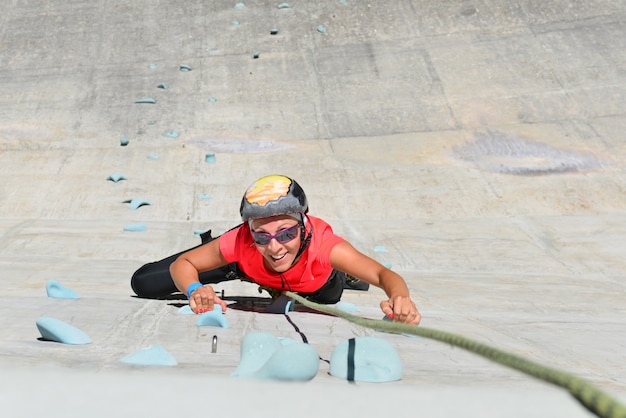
(240, 5)
(346, 307)
(213, 318)
(152, 156)
(264, 356)
(152, 66)
(256, 55)
(321, 29)
(163, 86)
(282, 305)
(154, 355)
(204, 196)
(274, 31)
(380, 249)
(212, 99)
(209, 157)
(184, 68)
(370, 359)
(152, 122)
(135, 228)
(283, 6)
(387, 264)
(185, 310)
(148, 100)
(54, 289)
(116, 177)
(136, 203)
(52, 329)
(235, 22)
(171, 134)
(123, 142)
(199, 232)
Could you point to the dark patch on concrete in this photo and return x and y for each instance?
(504, 153)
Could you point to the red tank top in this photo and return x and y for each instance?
(308, 275)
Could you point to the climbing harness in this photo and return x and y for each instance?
(591, 397)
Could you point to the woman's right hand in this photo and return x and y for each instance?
(203, 299)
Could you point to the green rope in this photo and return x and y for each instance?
(591, 397)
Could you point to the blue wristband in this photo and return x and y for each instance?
(193, 287)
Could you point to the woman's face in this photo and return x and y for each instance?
(278, 256)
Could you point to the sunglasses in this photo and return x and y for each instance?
(283, 236)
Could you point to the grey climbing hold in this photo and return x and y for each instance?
(163, 86)
(374, 360)
(283, 6)
(209, 157)
(52, 329)
(116, 177)
(136, 203)
(149, 100)
(124, 141)
(154, 355)
(135, 228)
(380, 249)
(184, 68)
(54, 289)
(321, 29)
(213, 318)
(263, 356)
(171, 134)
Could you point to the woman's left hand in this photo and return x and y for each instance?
(401, 309)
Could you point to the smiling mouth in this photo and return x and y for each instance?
(279, 257)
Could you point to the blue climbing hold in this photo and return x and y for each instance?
(135, 228)
(152, 66)
(171, 134)
(152, 156)
(148, 100)
(185, 310)
(380, 249)
(52, 329)
(263, 356)
(163, 86)
(283, 6)
(54, 289)
(212, 99)
(184, 68)
(136, 203)
(124, 142)
(374, 360)
(346, 307)
(154, 355)
(321, 29)
(209, 157)
(213, 318)
(240, 5)
(116, 177)
(204, 196)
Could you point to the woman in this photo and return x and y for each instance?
(279, 246)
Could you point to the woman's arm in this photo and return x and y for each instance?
(185, 271)
(344, 257)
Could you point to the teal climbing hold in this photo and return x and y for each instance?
(171, 134)
(209, 157)
(52, 329)
(135, 228)
(283, 6)
(387, 264)
(155, 355)
(54, 289)
(263, 356)
(346, 306)
(136, 203)
(235, 22)
(152, 156)
(152, 66)
(124, 141)
(116, 177)
(185, 310)
(380, 249)
(240, 5)
(212, 99)
(273, 31)
(163, 86)
(371, 360)
(321, 29)
(148, 100)
(213, 318)
(184, 68)
(204, 196)
(256, 55)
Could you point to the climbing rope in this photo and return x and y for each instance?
(591, 397)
